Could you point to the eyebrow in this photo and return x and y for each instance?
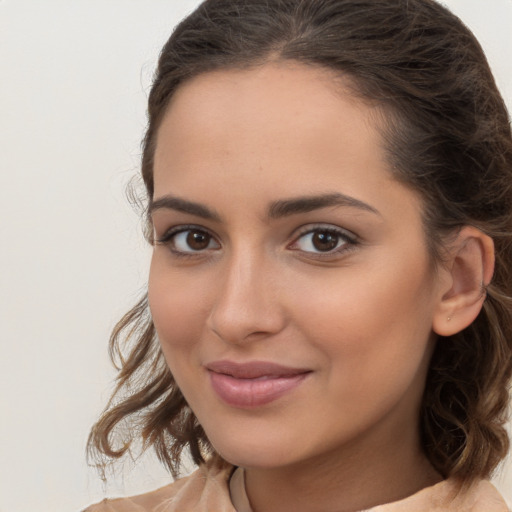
(286, 207)
(184, 206)
(277, 209)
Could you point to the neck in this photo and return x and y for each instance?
(348, 480)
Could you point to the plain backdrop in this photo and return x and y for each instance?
(75, 75)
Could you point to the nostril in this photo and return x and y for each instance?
(247, 324)
(247, 306)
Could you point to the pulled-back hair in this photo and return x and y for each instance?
(447, 136)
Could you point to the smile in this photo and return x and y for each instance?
(253, 384)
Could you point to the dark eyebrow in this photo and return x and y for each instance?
(184, 206)
(306, 204)
(278, 209)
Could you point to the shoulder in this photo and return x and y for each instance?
(487, 498)
(204, 490)
(450, 496)
(480, 496)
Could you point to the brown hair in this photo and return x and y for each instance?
(447, 136)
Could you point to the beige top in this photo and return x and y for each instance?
(215, 488)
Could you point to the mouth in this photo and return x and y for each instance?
(253, 384)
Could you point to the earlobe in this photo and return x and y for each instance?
(469, 267)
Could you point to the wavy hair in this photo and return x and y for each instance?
(447, 136)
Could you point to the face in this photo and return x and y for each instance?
(290, 284)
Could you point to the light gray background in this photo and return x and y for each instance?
(74, 80)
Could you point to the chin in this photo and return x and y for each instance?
(256, 460)
(255, 455)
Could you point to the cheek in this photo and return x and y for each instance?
(368, 320)
(375, 342)
(178, 307)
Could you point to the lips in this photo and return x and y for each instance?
(253, 384)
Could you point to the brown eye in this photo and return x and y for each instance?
(324, 241)
(198, 240)
(190, 241)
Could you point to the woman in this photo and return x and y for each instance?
(328, 323)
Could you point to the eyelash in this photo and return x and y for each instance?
(349, 240)
(168, 239)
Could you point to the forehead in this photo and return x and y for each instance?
(308, 85)
(251, 137)
(276, 106)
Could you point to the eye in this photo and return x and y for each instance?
(188, 240)
(323, 240)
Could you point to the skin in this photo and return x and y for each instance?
(359, 318)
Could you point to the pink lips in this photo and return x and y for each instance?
(253, 384)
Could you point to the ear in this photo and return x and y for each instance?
(469, 271)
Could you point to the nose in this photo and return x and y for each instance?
(247, 303)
